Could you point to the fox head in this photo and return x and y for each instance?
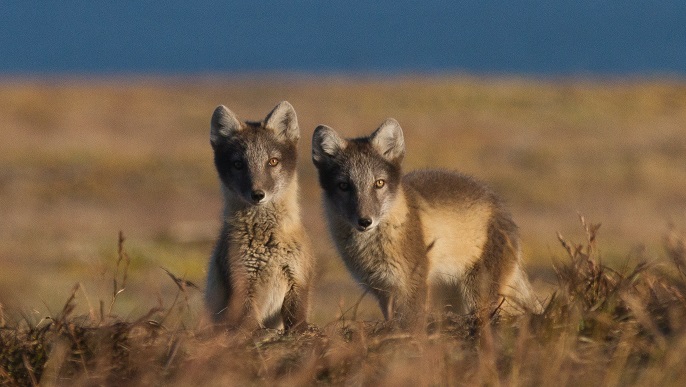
(361, 176)
(255, 160)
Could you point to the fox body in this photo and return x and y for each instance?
(408, 238)
(260, 271)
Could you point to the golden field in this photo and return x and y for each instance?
(82, 159)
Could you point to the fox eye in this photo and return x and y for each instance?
(343, 186)
(379, 183)
(238, 164)
(273, 162)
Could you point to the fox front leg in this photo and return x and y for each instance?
(240, 311)
(217, 295)
(387, 304)
(410, 311)
(294, 309)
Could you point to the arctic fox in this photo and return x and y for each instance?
(404, 237)
(261, 269)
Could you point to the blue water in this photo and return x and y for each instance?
(549, 37)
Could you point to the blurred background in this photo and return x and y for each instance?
(563, 107)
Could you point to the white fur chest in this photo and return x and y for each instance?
(260, 247)
(374, 257)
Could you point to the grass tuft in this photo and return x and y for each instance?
(600, 326)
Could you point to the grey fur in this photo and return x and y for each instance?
(325, 143)
(284, 122)
(388, 141)
(261, 269)
(429, 229)
(224, 124)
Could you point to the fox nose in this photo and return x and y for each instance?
(257, 195)
(364, 222)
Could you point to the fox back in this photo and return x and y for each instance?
(260, 270)
(405, 237)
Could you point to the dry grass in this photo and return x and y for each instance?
(82, 159)
(600, 327)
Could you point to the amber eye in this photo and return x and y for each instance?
(238, 164)
(343, 186)
(273, 162)
(379, 183)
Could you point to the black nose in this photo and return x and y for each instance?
(364, 222)
(257, 195)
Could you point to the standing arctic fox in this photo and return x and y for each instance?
(404, 237)
(260, 271)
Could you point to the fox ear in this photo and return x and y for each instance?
(388, 140)
(325, 144)
(224, 124)
(283, 121)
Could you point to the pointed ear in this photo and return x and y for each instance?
(283, 121)
(326, 143)
(224, 124)
(388, 140)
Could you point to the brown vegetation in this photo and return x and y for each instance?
(600, 327)
(82, 159)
